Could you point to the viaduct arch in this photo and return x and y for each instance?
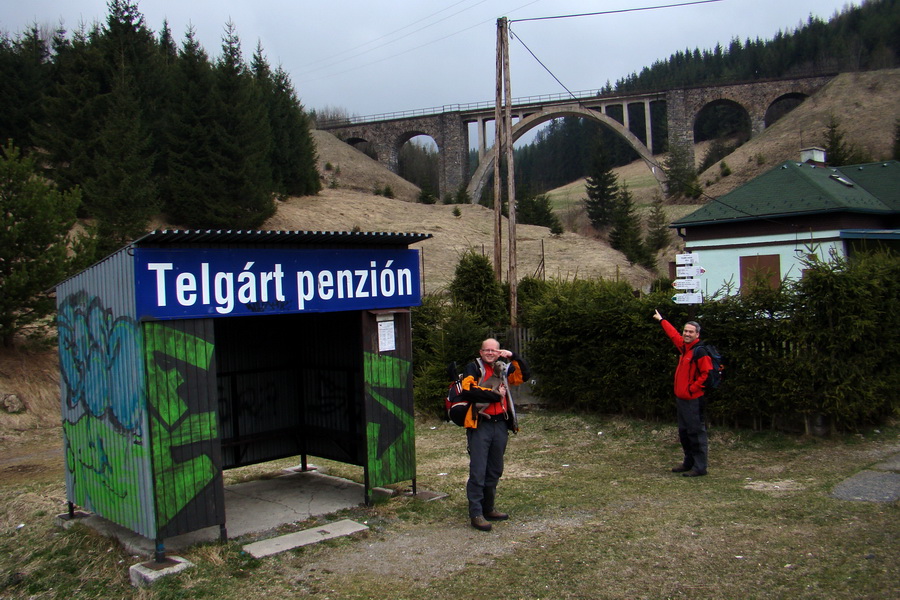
(486, 164)
(448, 125)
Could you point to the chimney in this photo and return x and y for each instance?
(814, 156)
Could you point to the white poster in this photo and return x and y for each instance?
(386, 341)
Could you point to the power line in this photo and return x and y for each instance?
(613, 12)
(541, 63)
(387, 43)
(652, 162)
(418, 30)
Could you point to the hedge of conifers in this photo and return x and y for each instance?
(820, 353)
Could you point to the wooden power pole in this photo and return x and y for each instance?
(498, 138)
(503, 139)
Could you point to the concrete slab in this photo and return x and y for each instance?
(145, 574)
(250, 507)
(303, 538)
(869, 486)
(891, 464)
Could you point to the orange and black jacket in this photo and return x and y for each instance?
(518, 371)
(690, 375)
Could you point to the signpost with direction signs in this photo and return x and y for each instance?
(688, 273)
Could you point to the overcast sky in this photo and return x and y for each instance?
(371, 57)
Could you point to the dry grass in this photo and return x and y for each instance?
(596, 514)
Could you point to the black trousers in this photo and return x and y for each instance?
(692, 433)
(487, 445)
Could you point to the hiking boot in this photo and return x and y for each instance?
(693, 473)
(480, 523)
(496, 515)
(680, 469)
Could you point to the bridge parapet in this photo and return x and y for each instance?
(448, 125)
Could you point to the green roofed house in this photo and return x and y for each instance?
(767, 227)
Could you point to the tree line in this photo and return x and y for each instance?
(140, 126)
(856, 39)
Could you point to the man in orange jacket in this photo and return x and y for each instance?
(690, 377)
(487, 432)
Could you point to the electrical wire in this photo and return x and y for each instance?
(613, 12)
(434, 41)
(652, 162)
(389, 42)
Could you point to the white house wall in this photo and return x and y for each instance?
(721, 258)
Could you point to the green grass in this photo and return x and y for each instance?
(596, 514)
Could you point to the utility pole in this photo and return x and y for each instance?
(503, 82)
(498, 138)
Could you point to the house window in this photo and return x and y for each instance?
(760, 270)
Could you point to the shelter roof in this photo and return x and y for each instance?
(240, 237)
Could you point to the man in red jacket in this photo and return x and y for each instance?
(690, 377)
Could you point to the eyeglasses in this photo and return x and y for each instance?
(490, 349)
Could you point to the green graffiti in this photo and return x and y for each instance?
(396, 462)
(177, 483)
(102, 463)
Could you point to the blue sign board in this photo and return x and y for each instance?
(218, 282)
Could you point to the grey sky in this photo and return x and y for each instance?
(371, 57)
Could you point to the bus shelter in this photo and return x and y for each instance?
(186, 353)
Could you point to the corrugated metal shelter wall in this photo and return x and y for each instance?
(104, 418)
(184, 436)
(390, 423)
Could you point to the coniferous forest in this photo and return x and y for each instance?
(864, 37)
(143, 126)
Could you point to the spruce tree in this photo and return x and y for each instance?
(838, 151)
(127, 43)
(191, 186)
(122, 189)
(292, 155)
(602, 187)
(25, 73)
(73, 107)
(537, 210)
(625, 235)
(475, 288)
(681, 174)
(35, 221)
(243, 175)
(658, 234)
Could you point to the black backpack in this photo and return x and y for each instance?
(716, 374)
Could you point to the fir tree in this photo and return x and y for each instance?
(191, 185)
(73, 108)
(293, 153)
(838, 151)
(681, 174)
(25, 73)
(625, 235)
(537, 210)
(122, 190)
(475, 288)
(241, 146)
(602, 187)
(35, 220)
(658, 234)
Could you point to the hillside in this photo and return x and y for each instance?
(865, 103)
(352, 205)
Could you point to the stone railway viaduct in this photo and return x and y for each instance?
(449, 126)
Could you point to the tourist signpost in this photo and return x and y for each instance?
(688, 270)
